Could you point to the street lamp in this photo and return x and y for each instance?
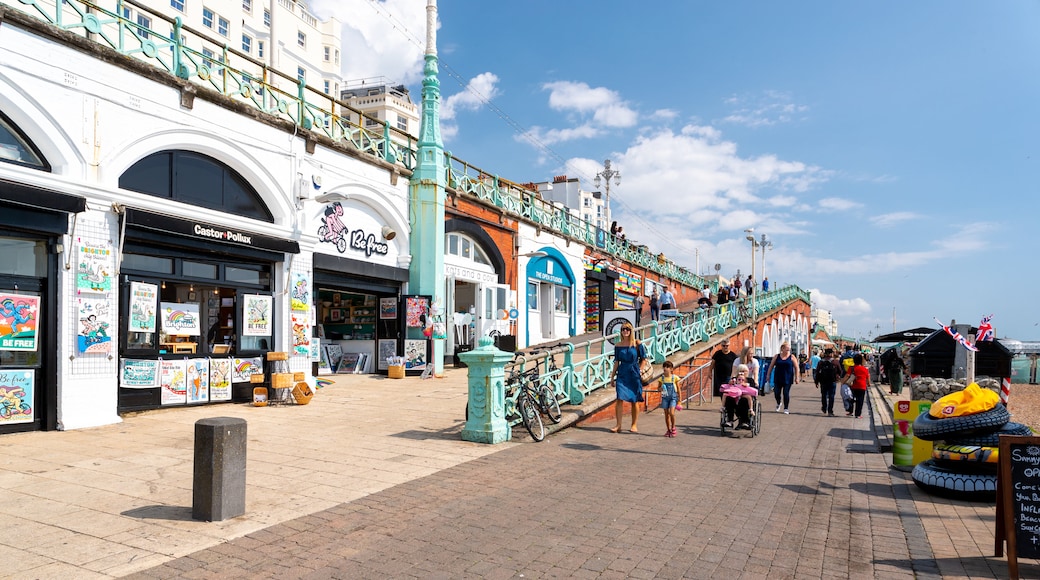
(608, 174)
(765, 244)
(754, 295)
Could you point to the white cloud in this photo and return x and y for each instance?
(478, 91)
(839, 307)
(380, 39)
(769, 108)
(891, 219)
(838, 204)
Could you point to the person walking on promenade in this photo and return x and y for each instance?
(747, 358)
(629, 353)
(814, 361)
(722, 366)
(765, 284)
(669, 397)
(655, 305)
(859, 376)
(784, 367)
(826, 378)
(749, 285)
(667, 300)
(637, 304)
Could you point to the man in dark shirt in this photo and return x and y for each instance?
(722, 366)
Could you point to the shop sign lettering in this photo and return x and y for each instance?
(367, 243)
(226, 235)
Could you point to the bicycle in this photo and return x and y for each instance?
(532, 398)
(547, 400)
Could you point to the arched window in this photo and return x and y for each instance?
(16, 148)
(466, 248)
(196, 179)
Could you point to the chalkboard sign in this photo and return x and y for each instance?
(1018, 497)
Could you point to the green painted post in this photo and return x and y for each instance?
(178, 68)
(486, 422)
(574, 394)
(426, 191)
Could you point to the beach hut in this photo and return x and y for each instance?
(937, 356)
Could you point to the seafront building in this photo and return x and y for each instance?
(166, 224)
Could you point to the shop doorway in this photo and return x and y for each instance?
(24, 344)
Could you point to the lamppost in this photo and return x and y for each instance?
(608, 174)
(765, 244)
(754, 295)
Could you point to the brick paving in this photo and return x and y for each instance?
(802, 500)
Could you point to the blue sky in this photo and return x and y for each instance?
(888, 149)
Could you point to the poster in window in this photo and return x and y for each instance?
(300, 295)
(388, 308)
(180, 319)
(172, 382)
(16, 395)
(94, 269)
(198, 380)
(417, 311)
(243, 368)
(415, 355)
(94, 323)
(139, 374)
(220, 379)
(387, 348)
(142, 307)
(301, 332)
(315, 349)
(257, 315)
(19, 314)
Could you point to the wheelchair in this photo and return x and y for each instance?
(754, 426)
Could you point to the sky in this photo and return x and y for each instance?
(888, 149)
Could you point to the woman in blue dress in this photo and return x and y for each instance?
(628, 355)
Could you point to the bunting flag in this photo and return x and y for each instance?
(956, 336)
(985, 329)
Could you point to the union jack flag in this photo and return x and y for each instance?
(957, 336)
(985, 329)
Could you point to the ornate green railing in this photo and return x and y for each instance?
(198, 57)
(573, 381)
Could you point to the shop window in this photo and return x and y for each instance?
(563, 300)
(195, 179)
(15, 147)
(199, 270)
(147, 263)
(246, 276)
(532, 295)
(23, 257)
(464, 247)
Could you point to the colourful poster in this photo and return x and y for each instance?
(414, 354)
(388, 308)
(315, 349)
(142, 307)
(417, 310)
(16, 395)
(94, 322)
(301, 332)
(243, 368)
(94, 270)
(300, 297)
(139, 374)
(180, 319)
(257, 315)
(19, 314)
(220, 379)
(198, 380)
(172, 375)
(908, 450)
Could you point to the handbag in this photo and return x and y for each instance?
(646, 371)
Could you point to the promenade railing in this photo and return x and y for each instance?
(584, 367)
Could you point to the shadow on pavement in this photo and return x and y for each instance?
(160, 512)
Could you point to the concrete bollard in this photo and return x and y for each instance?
(219, 484)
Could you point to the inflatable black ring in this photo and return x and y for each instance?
(948, 483)
(931, 429)
(990, 439)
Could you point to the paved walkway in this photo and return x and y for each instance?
(372, 480)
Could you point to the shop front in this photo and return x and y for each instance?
(551, 297)
(197, 312)
(478, 299)
(33, 222)
(600, 294)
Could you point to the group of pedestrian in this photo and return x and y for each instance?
(853, 375)
(658, 302)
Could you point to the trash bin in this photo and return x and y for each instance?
(506, 342)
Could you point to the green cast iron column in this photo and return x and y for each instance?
(426, 191)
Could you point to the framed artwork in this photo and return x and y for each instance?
(388, 308)
(337, 299)
(387, 348)
(349, 363)
(192, 296)
(334, 353)
(335, 315)
(415, 355)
